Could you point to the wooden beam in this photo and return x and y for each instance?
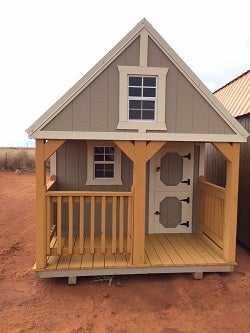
(41, 243)
(152, 148)
(226, 149)
(231, 204)
(127, 148)
(51, 147)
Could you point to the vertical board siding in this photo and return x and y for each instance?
(96, 108)
(186, 110)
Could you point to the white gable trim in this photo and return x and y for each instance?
(34, 129)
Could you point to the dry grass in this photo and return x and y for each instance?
(17, 158)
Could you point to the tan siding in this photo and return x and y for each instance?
(96, 108)
(186, 110)
(72, 165)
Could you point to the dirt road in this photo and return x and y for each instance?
(220, 303)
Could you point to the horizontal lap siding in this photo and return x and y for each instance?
(186, 110)
(96, 108)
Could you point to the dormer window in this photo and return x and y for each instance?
(142, 95)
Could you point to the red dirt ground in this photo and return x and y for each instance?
(220, 303)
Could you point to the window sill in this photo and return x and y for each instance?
(142, 126)
(104, 181)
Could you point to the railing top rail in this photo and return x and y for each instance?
(88, 194)
(202, 180)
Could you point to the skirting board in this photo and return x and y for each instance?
(129, 271)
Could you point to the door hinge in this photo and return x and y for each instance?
(188, 156)
(186, 181)
(185, 223)
(187, 200)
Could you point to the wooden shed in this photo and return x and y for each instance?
(235, 96)
(127, 193)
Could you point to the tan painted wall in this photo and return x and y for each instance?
(96, 108)
(216, 172)
(186, 110)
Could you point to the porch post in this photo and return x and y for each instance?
(40, 206)
(232, 155)
(139, 152)
(43, 151)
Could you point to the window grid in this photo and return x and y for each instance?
(104, 160)
(146, 110)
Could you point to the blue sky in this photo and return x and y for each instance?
(46, 46)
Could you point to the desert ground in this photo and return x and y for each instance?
(220, 303)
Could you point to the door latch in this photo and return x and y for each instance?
(185, 223)
(187, 200)
(188, 156)
(186, 181)
(157, 213)
(158, 169)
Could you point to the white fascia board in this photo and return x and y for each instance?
(148, 136)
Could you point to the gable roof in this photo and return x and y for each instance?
(111, 56)
(235, 95)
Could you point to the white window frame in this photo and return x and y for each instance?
(159, 123)
(91, 180)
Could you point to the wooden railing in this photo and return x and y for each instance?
(89, 222)
(211, 210)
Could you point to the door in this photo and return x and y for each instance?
(171, 189)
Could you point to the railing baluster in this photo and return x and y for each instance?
(48, 221)
(103, 225)
(81, 224)
(129, 224)
(114, 207)
(92, 225)
(59, 225)
(70, 240)
(121, 225)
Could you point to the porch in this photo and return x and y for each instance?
(104, 232)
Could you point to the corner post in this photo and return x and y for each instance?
(231, 204)
(232, 155)
(40, 206)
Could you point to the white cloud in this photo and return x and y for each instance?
(48, 45)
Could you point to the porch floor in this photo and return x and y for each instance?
(161, 250)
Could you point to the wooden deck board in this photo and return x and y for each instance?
(170, 250)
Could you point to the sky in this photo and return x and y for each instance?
(46, 46)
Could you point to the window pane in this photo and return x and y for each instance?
(109, 157)
(149, 92)
(135, 81)
(109, 150)
(148, 105)
(148, 114)
(135, 92)
(99, 150)
(99, 157)
(99, 170)
(134, 104)
(149, 81)
(109, 170)
(134, 114)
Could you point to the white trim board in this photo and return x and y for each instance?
(139, 136)
(34, 129)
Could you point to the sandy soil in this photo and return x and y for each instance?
(220, 303)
